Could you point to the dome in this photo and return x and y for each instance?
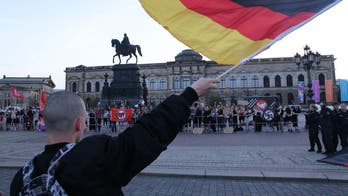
(188, 55)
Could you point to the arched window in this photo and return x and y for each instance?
(266, 81)
(89, 87)
(233, 82)
(222, 83)
(152, 84)
(277, 81)
(74, 87)
(255, 80)
(321, 79)
(244, 81)
(301, 78)
(290, 99)
(176, 83)
(97, 87)
(289, 81)
(163, 84)
(186, 82)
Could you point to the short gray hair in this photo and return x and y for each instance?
(61, 110)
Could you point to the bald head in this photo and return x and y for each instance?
(61, 111)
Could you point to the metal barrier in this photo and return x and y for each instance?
(230, 124)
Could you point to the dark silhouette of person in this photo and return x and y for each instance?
(313, 119)
(342, 118)
(125, 45)
(327, 125)
(258, 122)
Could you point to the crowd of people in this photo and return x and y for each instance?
(99, 118)
(15, 118)
(30, 119)
(217, 117)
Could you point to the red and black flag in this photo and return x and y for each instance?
(228, 31)
(121, 114)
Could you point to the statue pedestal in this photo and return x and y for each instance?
(124, 86)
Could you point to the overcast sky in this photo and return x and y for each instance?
(42, 37)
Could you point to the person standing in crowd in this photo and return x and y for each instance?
(207, 118)
(2, 114)
(313, 123)
(197, 119)
(258, 122)
(336, 125)
(296, 110)
(281, 118)
(234, 116)
(92, 121)
(106, 118)
(342, 118)
(36, 119)
(220, 118)
(276, 119)
(99, 116)
(326, 125)
(8, 120)
(30, 115)
(101, 164)
(287, 116)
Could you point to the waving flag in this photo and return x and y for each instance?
(229, 31)
(42, 101)
(16, 93)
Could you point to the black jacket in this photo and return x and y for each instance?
(313, 119)
(101, 164)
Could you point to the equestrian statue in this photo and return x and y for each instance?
(124, 48)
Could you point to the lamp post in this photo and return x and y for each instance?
(106, 91)
(306, 62)
(145, 91)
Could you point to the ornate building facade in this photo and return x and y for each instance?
(258, 77)
(30, 87)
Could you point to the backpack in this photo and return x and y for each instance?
(45, 184)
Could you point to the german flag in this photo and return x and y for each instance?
(228, 31)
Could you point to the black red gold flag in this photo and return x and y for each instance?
(230, 31)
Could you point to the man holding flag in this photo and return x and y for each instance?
(101, 164)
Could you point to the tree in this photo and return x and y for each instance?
(213, 99)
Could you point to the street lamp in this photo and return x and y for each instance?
(306, 62)
(145, 91)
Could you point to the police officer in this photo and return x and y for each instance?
(326, 125)
(313, 125)
(336, 125)
(342, 118)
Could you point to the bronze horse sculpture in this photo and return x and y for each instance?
(122, 50)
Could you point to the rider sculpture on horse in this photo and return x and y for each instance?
(124, 48)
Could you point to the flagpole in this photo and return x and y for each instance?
(229, 70)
